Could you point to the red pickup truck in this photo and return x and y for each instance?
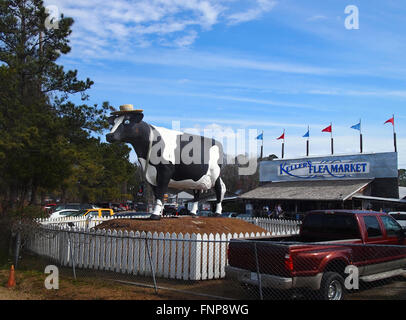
(317, 259)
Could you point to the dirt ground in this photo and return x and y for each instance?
(183, 225)
(101, 285)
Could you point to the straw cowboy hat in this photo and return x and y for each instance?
(127, 108)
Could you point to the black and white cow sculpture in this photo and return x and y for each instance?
(169, 158)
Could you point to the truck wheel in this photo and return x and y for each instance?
(332, 286)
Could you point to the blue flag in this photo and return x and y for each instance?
(357, 126)
(307, 135)
(260, 137)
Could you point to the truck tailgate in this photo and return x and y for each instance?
(271, 257)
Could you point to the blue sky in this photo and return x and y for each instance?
(260, 64)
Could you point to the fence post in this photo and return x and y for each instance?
(130, 264)
(172, 273)
(142, 253)
(204, 256)
(150, 264)
(119, 244)
(258, 273)
(124, 257)
(217, 247)
(161, 252)
(195, 257)
(137, 253)
(210, 257)
(186, 256)
(223, 255)
(167, 254)
(179, 254)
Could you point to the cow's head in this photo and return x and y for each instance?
(125, 127)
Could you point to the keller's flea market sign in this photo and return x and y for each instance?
(358, 166)
(332, 168)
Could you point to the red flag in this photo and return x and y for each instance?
(282, 137)
(391, 120)
(328, 129)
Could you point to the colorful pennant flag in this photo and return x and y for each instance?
(261, 137)
(357, 126)
(307, 135)
(391, 120)
(282, 137)
(328, 129)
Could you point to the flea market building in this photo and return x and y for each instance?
(354, 181)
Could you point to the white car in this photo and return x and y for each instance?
(400, 217)
(63, 213)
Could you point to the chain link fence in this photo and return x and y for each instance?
(273, 265)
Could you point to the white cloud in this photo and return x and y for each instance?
(141, 22)
(317, 17)
(262, 7)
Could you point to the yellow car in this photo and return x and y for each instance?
(94, 213)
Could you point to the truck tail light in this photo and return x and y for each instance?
(288, 263)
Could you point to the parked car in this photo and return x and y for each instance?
(245, 215)
(183, 211)
(400, 217)
(99, 212)
(229, 215)
(317, 258)
(129, 214)
(116, 207)
(141, 207)
(63, 213)
(170, 210)
(75, 206)
(205, 213)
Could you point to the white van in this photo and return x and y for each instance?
(63, 213)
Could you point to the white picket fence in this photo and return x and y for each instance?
(275, 227)
(171, 256)
(83, 222)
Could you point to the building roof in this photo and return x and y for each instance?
(328, 190)
(402, 192)
(184, 195)
(379, 199)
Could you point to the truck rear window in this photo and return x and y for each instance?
(330, 226)
(372, 226)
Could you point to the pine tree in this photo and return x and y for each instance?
(40, 128)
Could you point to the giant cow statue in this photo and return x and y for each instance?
(169, 158)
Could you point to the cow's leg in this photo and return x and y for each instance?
(220, 189)
(164, 174)
(195, 207)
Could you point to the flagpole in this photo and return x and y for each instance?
(332, 140)
(360, 137)
(394, 135)
(283, 145)
(262, 146)
(308, 142)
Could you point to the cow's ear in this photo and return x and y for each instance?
(136, 117)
